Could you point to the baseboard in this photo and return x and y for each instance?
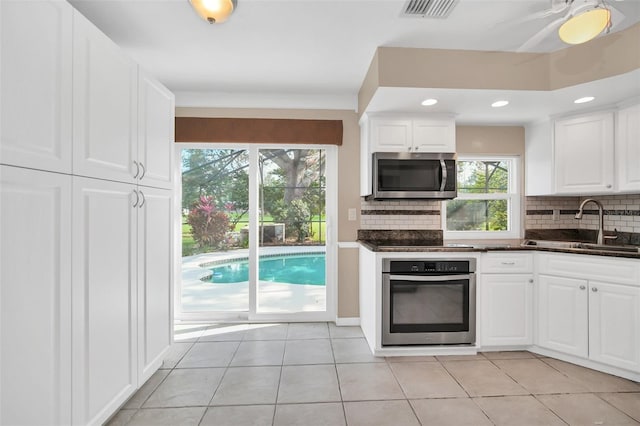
(348, 321)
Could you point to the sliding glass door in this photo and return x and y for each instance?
(255, 230)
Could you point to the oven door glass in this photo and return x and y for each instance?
(422, 307)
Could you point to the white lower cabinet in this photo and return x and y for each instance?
(35, 297)
(104, 298)
(122, 278)
(155, 285)
(614, 324)
(506, 299)
(562, 315)
(590, 317)
(507, 309)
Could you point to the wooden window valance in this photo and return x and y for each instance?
(259, 130)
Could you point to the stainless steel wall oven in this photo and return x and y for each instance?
(428, 302)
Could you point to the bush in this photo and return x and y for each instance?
(208, 225)
(297, 218)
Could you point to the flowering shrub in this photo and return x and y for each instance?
(208, 225)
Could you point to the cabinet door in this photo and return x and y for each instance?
(35, 102)
(507, 315)
(390, 135)
(104, 298)
(434, 135)
(35, 297)
(104, 106)
(614, 324)
(155, 278)
(156, 117)
(562, 315)
(584, 154)
(628, 149)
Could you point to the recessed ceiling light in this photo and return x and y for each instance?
(584, 100)
(429, 102)
(498, 104)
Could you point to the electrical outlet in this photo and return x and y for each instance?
(352, 214)
(556, 214)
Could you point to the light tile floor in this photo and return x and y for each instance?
(319, 374)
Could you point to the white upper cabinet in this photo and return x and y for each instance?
(583, 151)
(105, 94)
(434, 135)
(627, 149)
(36, 86)
(35, 297)
(156, 118)
(398, 133)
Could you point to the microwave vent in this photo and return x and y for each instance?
(428, 8)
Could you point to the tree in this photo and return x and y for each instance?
(479, 177)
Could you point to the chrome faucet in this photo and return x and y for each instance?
(600, 218)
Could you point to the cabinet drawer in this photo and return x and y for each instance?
(507, 262)
(589, 267)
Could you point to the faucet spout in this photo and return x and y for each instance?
(600, 217)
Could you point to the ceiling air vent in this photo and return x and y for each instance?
(429, 8)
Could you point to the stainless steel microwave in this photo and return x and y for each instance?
(406, 175)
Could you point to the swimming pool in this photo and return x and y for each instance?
(303, 269)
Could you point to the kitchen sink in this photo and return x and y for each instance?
(580, 245)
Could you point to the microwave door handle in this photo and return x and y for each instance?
(443, 168)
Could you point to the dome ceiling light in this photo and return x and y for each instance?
(214, 11)
(586, 25)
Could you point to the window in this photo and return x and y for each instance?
(488, 202)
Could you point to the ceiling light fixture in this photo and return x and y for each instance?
(584, 100)
(498, 104)
(214, 11)
(429, 102)
(586, 25)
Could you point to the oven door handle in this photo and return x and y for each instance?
(429, 278)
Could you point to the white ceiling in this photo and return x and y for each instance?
(315, 53)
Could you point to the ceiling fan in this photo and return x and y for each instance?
(579, 21)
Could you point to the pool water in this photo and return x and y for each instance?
(291, 269)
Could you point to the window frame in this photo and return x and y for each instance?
(513, 197)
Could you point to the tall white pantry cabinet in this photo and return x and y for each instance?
(85, 218)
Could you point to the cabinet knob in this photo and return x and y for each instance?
(582, 287)
(608, 186)
(531, 280)
(409, 148)
(594, 289)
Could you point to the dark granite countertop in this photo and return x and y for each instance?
(432, 242)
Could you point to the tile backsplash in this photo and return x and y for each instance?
(395, 215)
(622, 212)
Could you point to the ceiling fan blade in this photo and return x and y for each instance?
(542, 34)
(556, 7)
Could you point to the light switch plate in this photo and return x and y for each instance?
(352, 214)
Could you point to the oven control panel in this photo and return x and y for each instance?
(430, 267)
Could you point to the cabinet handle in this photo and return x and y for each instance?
(137, 169)
(594, 289)
(144, 199)
(144, 171)
(582, 287)
(137, 198)
(508, 263)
